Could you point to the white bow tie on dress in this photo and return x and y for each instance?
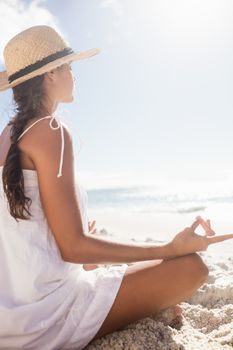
(56, 117)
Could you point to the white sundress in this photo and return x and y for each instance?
(45, 302)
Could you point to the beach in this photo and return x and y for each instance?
(160, 227)
(207, 316)
(139, 211)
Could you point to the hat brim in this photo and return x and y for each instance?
(4, 83)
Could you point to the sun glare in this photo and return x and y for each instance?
(184, 22)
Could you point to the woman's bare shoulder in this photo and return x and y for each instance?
(41, 132)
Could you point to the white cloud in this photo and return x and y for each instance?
(114, 5)
(17, 15)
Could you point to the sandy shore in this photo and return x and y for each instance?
(208, 315)
(207, 322)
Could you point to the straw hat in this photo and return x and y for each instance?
(35, 51)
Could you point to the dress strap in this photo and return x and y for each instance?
(53, 128)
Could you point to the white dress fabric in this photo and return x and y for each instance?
(45, 302)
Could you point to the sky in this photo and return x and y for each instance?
(158, 99)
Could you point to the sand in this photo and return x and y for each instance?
(207, 318)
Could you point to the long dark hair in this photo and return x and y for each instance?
(28, 103)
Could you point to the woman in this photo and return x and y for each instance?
(52, 297)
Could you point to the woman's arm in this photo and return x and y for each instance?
(60, 204)
(185, 242)
(93, 249)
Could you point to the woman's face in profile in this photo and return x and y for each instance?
(65, 83)
(61, 85)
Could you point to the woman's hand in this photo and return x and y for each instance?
(91, 226)
(187, 241)
(91, 230)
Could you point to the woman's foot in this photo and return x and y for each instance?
(88, 267)
(172, 316)
(177, 315)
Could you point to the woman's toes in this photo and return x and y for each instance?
(89, 267)
(177, 309)
(172, 316)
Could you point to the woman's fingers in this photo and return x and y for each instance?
(206, 226)
(210, 232)
(91, 225)
(195, 225)
(220, 238)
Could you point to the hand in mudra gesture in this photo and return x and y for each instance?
(92, 230)
(187, 241)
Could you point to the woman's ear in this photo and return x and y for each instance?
(51, 76)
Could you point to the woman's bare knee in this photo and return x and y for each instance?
(194, 273)
(197, 267)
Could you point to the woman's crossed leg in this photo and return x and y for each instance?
(150, 286)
